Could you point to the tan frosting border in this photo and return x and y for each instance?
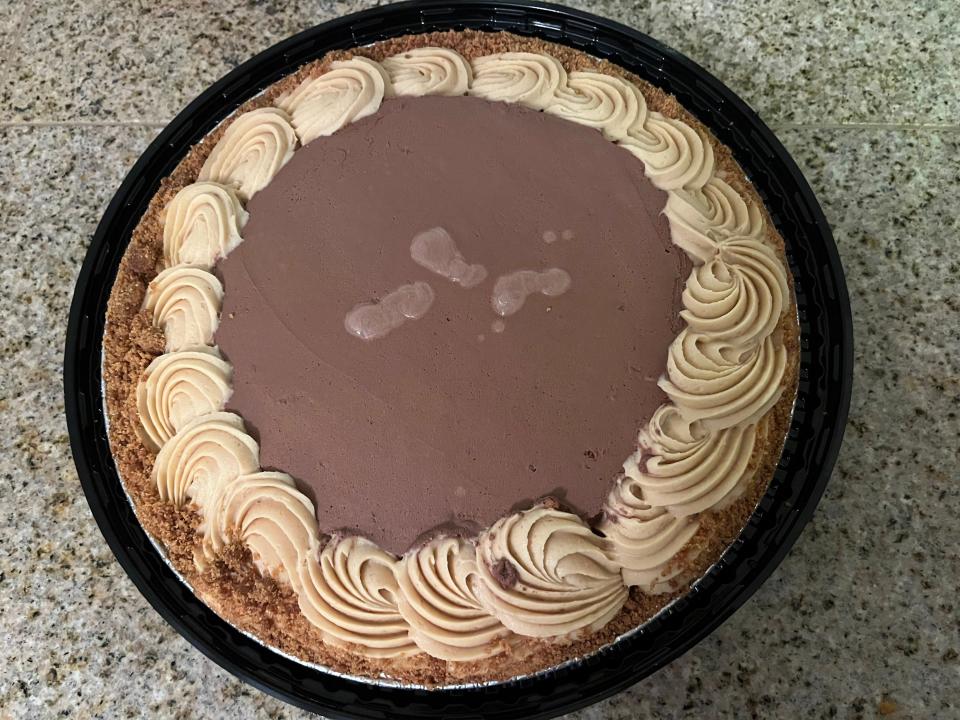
(231, 585)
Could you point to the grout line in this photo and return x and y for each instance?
(776, 127)
(81, 124)
(943, 127)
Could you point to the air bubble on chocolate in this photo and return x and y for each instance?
(512, 290)
(371, 321)
(551, 236)
(435, 250)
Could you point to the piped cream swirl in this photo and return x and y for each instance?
(439, 601)
(206, 454)
(675, 156)
(179, 387)
(348, 91)
(350, 593)
(737, 296)
(267, 512)
(202, 224)
(429, 71)
(184, 301)
(700, 219)
(529, 79)
(645, 540)
(722, 385)
(544, 573)
(605, 102)
(252, 150)
(688, 469)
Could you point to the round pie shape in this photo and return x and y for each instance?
(539, 585)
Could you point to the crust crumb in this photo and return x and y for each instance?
(505, 573)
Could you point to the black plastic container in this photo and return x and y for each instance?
(808, 457)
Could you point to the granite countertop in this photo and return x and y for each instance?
(860, 621)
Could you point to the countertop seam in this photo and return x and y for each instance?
(776, 127)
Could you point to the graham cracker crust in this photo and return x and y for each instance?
(259, 605)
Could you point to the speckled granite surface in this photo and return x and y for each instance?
(860, 621)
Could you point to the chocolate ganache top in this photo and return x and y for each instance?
(447, 310)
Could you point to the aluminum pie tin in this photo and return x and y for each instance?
(810, 450)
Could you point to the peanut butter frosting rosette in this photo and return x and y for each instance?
(184, 302)
(205, 455)
(645, 540)
(253, 149)
(540, 575)
(265, 511)
(738, 295)
(724, 385)
(350, 592)
(202, 224)
(700, 219)
(179, 387)
(429, 71)
(439, 599)
(349, 91)
(688, 469)
(530, 79)
(545, 574)
(676, 156)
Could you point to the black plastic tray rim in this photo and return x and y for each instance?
(813, 439)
